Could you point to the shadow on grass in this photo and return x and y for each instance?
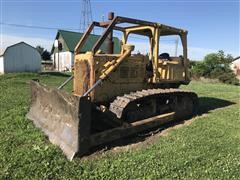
(206, 104)
(55, 73)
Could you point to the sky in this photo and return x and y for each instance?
(212, 24)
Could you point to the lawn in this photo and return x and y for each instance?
(208, 147)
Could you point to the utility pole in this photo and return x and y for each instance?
(176, 47)
(86, 15)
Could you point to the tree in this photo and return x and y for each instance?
(199, 70)
(40, 49)
(216, 66)
(46, 55)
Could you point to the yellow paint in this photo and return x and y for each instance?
(126, 72)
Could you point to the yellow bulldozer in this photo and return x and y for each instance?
(115, 95)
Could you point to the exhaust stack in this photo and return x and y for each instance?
(109, 40)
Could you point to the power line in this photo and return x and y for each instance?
(41, 27)
(36, 27)
(70, 29)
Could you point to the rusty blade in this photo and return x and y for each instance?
(56, 113)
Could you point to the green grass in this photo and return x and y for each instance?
(209, 147)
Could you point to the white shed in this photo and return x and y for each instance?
(63, 58)
(20, 57)
(235, 66)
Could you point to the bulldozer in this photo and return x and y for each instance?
(115, 95)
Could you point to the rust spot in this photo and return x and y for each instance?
(82, 77)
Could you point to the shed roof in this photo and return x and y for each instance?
(22, 42)
(72, 38)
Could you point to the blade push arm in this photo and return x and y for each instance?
(111, 67)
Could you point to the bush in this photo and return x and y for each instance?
(229, 78)
(214, 66)
(199, 70)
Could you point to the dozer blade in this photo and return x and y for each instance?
(69, 121)
(59, 115)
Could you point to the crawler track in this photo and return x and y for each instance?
(147, 103)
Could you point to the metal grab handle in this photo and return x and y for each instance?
(93, 87)
(65, 82)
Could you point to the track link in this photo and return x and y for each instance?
(121, 105)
